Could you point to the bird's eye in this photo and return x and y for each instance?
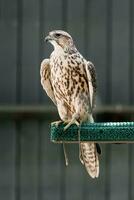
(57, 34)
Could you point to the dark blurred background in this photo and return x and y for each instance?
(31, 167)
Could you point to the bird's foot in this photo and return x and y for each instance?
(74, 121)
(57, 123)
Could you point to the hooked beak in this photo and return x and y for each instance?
(48, 38)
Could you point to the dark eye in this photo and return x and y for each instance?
(57, 34)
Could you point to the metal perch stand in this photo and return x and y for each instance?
(106, 132)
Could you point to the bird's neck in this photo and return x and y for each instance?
(58, 50)
(70, 49)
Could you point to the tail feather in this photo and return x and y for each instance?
(90, 159)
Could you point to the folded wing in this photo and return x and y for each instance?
(91, 75)
(45, 74)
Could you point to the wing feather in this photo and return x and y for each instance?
(91, 75)
(45, 74)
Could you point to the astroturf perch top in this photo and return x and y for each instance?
(113, 132)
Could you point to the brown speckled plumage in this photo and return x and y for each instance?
(70, 81)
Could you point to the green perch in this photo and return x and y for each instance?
(103, 132)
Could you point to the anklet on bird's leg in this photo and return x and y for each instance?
(65, 154)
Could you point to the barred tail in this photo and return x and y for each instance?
(90, 159)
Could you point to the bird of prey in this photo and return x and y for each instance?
(70, 81)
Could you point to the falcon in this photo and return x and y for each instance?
(70, 81)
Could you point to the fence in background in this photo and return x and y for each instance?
(103, 32)
(30, 166)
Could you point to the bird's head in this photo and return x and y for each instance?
(60, 39)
